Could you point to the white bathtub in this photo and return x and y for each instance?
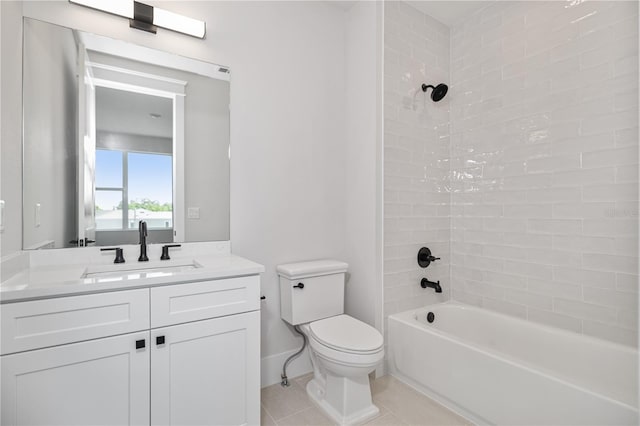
(496, 369)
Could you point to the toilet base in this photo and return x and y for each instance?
(346, 401)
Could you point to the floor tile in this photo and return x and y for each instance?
(388, 419)
(282, 401)
(399, 405)
(307, 417)
(303, 380)
(265, 418)
(412, 407)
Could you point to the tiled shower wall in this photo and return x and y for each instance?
(544, 143)
(416, 154)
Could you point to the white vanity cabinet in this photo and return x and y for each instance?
(180, 354)
(206, 372)
(97, 382)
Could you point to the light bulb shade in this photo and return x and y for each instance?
(122, 8)
(161, 18)
(183, 24)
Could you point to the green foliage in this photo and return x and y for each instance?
(147, 204)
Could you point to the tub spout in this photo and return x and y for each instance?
(425, 283)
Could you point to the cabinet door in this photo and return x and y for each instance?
(207, 372)
(98, 382)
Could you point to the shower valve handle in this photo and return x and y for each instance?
(300, 286)
(425, 257)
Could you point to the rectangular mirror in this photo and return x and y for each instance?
(115, 134)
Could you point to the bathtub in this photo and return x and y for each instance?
(496, 369)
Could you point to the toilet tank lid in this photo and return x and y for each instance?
(312, 268)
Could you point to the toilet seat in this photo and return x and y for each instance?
(343, 333)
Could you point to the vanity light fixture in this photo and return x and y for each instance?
(147, 18)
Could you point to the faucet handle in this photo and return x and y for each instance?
(119, 256)
(425, 257)
(165, 250)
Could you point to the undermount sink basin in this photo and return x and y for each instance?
(147, 270)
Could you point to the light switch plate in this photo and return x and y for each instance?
(193, 213)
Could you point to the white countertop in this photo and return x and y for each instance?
(46, 281)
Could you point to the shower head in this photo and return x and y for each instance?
(438, 92)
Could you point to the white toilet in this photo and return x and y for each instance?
(343, 349)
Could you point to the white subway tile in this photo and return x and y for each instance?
(553, 319)
(555, 289)
(584, 277)
(584, 310)
(483, 263)
(508, 308)
(611, 298)
(554, 195)
(526, 240)
(583, 244)
(611, 332)
(627, 282)
(505, 224)
(464, 297)
(584, 177)
(521, 297)
(504, 280)
(627, 66)
(610, 226)
(590, 210)
(625, 137)
(627, 246)
(528, 210)
(611, 262)
(530, 270)
(610, 192)
(628, 318)
(554, 257)
(527, 174)
(612, 121)
(555, 226)
(505, 252)
(611, 157)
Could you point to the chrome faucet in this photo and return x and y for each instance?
(142, 230)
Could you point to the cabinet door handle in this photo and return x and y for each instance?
(159, 340)
(140, 344)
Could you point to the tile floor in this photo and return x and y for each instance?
(399, 405)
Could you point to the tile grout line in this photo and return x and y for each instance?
(268, 413)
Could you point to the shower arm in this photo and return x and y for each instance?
(426, 86)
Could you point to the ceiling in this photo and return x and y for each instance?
(448, 12)
(121, 111)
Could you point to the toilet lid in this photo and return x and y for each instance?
(347, 334)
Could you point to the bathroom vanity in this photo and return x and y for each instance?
(160, 342)
(113, 132)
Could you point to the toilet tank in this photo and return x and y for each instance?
(311, 290)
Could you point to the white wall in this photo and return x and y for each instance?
(50, 106)
(289, 169)
(11, 129)
(363, 153)
(416, 152)
(544, 120)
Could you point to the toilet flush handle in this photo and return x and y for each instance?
(300, 286)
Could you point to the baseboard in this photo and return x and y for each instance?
(271, 367)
